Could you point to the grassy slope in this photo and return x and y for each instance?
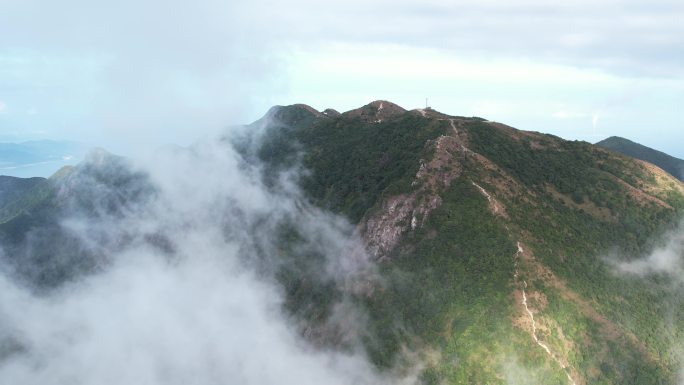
(570, 241)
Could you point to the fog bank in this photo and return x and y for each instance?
(190, 296)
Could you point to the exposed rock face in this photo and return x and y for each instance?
(407, 212)
(383, 231)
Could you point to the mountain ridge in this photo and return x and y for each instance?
(532, 187)
(491, 242)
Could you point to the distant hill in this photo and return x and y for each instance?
(12, 188)
(672, 165)
(36, 244)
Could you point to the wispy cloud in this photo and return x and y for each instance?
(667, 260)
(186, 289)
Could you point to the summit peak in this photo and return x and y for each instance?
(377, 111)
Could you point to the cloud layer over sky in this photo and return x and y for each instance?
(170, 71)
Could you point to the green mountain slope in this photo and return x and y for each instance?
(674, 166)
(491, 243)
(469, 219)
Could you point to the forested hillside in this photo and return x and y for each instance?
(471, 218)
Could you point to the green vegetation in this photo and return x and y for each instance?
(467, 264)
(572, 241)
(21, 195)
(353, 162)
(448, 287)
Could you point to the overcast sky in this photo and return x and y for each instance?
(132, 74)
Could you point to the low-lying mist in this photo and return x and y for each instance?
(187, 284)
(666, 259)
(660, 272)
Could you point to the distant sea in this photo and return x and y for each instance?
(38, 158)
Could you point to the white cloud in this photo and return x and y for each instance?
(563, 114)
(160, 71)
(170, 70)
(3, 107)
(399, 63)
(205, 310)
(668, 259)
